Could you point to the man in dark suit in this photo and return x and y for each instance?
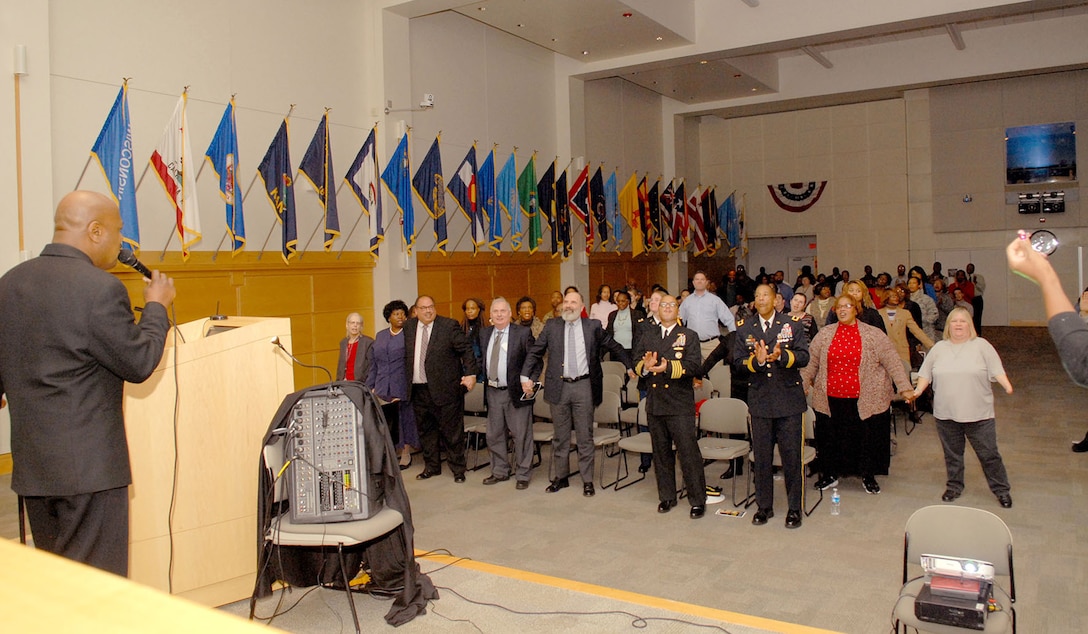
(574, 383)
(772, 346)
(504, 345)
(441, 368)
(670, 358)
(68, 343)
(355, 347)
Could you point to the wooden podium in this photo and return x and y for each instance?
(195, 459)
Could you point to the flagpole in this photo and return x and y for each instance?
(323, 218)
(260, 253)
(20, 70)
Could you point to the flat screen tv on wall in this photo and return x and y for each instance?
(1045, 153)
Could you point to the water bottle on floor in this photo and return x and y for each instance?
(836, 501)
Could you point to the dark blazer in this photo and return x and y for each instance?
(449, 357)
(671, 393)
(519, 339)
(362, 359)
(552, 339)
(68, 343)
(774, 390)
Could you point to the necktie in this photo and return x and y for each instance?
(571, 361)
(424, 340)
(493, 363)
(766, 325)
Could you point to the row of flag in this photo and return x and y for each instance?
(658, 217)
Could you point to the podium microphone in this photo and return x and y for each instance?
(127, 258)
(276, 342)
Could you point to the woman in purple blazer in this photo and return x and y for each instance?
(388, 381)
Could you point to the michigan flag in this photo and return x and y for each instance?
(364, 181)
(489, 206)
(317, 167)
(222, 154)
(275, 171)
(173, 163)
(113, 151)
(399, 182)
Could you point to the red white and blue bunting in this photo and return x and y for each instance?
(797, 197)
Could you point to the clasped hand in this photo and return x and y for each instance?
(651, 363)
(763, 357)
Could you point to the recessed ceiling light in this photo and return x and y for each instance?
(755, 89)
(703, 62)
(627, 14)
(555, 39)
(481, 8)
(585, 52)
(659, 38)
(520, 26)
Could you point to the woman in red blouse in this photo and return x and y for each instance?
(849, 377)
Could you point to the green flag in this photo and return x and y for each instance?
(527, 200)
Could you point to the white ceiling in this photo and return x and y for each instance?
(596, 31)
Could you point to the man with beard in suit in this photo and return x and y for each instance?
(573, 384)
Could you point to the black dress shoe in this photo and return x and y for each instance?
(761, 516)
(666, 506)
(697, 511)
(427, 474)
(1082, 446)
(404, 466)
(495, 480)
(587, 489)
(1005, 501)
(950, 495)
(522, 485)
(558, 483)
(643, 468)
(728, 474)
(459, 478)
(793, 519)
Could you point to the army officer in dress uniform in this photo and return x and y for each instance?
(772, 346)
(669, 360)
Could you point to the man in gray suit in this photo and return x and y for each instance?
(68, 343)
(504, 345)
(574, 384)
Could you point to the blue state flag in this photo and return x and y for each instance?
(397, 179)
(612, 210)
(113, 151)
(275, 171)
(730, 220)
(365, 183)
(489, 206)
(317, 167)
(222, 154)
(431, 191)
(506, 192)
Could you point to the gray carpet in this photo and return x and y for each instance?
(837, 573)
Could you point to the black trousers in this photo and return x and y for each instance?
(665, 431)
(91, 528)
(440, 428)
(977, 304)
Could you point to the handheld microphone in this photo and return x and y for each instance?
(127, 258)
(276, 342)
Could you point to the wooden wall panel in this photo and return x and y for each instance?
(316, 293)
(616, 269)
(452, 279)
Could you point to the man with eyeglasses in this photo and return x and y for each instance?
(669, 359)
(441, 367)
(702, 311)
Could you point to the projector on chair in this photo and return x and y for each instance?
(940, 565)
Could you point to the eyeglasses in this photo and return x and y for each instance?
(668, 304)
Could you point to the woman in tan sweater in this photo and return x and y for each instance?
(849, 377)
